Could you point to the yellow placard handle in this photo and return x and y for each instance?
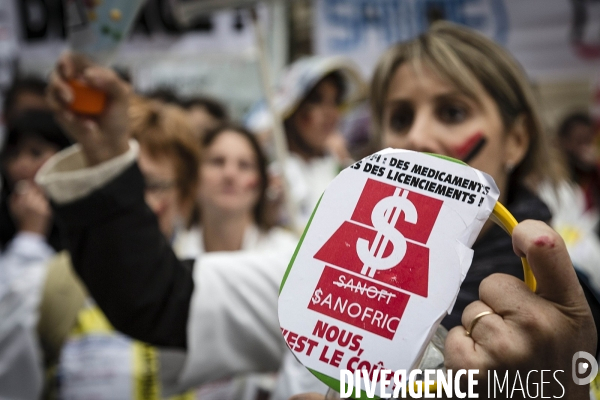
(506, 221)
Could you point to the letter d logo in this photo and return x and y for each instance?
(581, 367)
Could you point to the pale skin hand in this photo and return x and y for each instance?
(528, 331)
(101, 137)
(30, 209)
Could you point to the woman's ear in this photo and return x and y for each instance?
(517, 143)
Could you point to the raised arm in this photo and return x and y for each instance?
(114, 238)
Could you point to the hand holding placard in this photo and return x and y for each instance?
(338, 292)
(529, 331)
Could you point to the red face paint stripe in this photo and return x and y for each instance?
(470, 147)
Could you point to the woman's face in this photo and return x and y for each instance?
(319, 115)
(25, 159)
(229, 177)
(424, 113)
(162, 194)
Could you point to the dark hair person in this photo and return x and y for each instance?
(205, 114)
(33, 138)
(578, 140)
(310, 98)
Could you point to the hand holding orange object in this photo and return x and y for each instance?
(86, 100)
(102, 136)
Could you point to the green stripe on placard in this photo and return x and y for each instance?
(289, 268)
(454, 160)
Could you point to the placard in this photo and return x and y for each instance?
(381, 261)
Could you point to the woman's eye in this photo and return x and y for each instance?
(452, 113)
(314, 98)
(246, 165)
(400, 119)
(216, 161)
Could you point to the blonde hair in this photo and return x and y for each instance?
(164, 131)
(468, 60)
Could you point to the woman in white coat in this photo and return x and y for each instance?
(232, 228)
(222, 311)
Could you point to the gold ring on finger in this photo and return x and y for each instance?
(474, 322)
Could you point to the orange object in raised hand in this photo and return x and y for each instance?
(86, 100)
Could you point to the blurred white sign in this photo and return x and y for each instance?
(551, 38)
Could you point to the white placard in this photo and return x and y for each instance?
(381, 261)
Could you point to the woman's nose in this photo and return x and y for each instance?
(421, 135)
(230, 170)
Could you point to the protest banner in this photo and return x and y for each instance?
(381, 262)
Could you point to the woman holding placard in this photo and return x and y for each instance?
(454, 92)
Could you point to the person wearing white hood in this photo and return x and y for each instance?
(223, 312)
(310, 98)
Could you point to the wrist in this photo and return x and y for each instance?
(95, 155)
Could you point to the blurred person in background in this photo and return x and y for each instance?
(24, 94)
(84, 356)
(205, 114)
(574, 205)
(28, 239)
(232, 224)
(32, 139)
(164, 94)
(578, 139)
(310, 98)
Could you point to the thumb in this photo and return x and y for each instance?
(547, 254)
(106, 80)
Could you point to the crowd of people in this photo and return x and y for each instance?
(142, 250)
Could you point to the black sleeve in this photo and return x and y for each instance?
(126, 263)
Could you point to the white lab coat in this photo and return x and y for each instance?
(22, 275)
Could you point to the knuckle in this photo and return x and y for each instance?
(503, 346)
(497, 284)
